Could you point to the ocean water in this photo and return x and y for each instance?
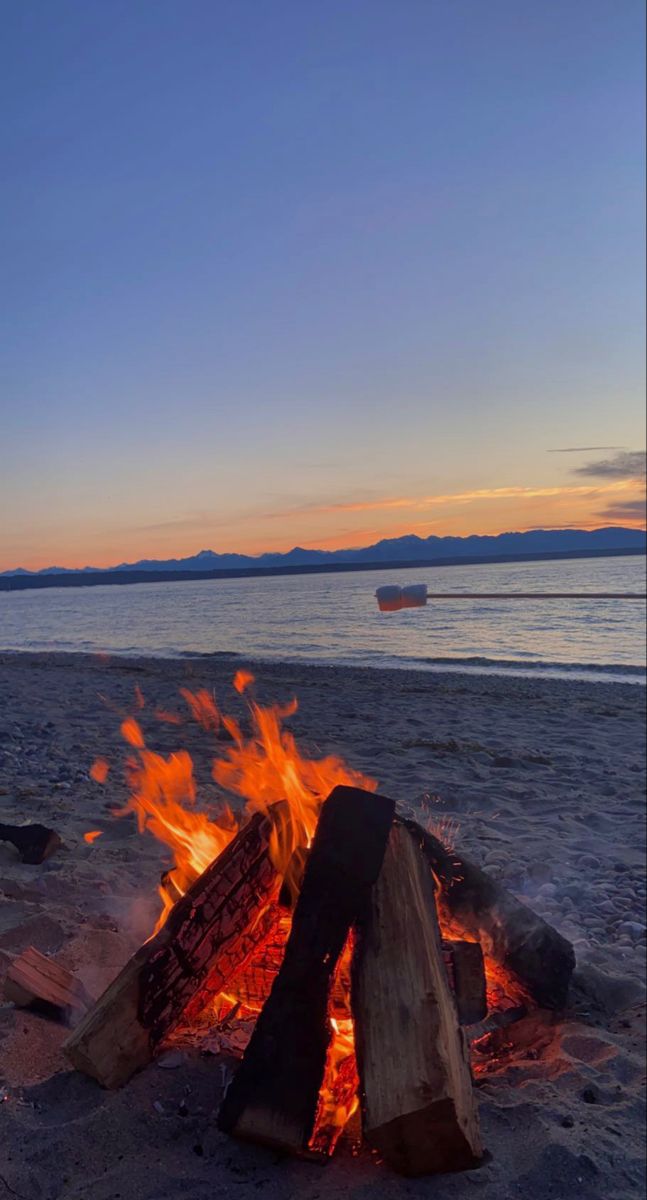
(334, 619)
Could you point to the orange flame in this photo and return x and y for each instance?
(203, 708)
(99, 770)
(242, 680)
(163, 797)
(338, 1094)
(92, 835)
(503, 989)
(170, 718)
(131, 732)
(263, 768)
(268, 767)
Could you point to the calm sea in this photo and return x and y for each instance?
(334, 619)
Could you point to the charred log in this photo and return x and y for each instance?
(209, 933)
(535, 953)
(273, 1097)
(251, 980)
(466, 970)
(34, 843)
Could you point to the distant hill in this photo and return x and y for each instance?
(409, 549)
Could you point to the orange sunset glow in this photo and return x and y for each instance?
(339, 524)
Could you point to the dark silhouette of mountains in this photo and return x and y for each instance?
(390, 551)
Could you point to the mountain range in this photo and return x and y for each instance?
(409, 548)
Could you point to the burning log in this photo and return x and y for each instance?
(515, 937)
(273, 1097)
(34, 843)
(252, 980)
(262, 962)
(211, 931)
(35, 981)
(252, 986)
(418, 1106)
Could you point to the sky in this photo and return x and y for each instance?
(278, 273)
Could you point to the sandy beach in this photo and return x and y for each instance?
(546, 780)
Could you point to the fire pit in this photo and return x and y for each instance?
(347, 946)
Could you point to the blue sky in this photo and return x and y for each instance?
(266, 264)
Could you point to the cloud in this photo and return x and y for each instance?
(205, 521)
(580, 449)
(387, 503)
(626, 510)
(629, 464)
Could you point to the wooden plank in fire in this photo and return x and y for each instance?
(418, 1104)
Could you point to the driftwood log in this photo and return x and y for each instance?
(213, 929)
(35, 981)
(418, 1105)
(274, 1095)
(471, 901)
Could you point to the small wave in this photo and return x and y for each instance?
(629, 671)
(203, 654)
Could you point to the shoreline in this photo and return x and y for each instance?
(472, 667)
(544, 780)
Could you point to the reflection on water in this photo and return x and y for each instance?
(334, 618)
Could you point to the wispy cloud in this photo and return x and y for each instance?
(629, 464)
(193, 520)
(580, 449)
(447, 498)
(626, 510)
(302, 510)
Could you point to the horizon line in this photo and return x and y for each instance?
(123, 566)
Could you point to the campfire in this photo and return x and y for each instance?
(341, 948)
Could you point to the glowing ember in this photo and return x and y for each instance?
(92, 835)
(503, 989)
